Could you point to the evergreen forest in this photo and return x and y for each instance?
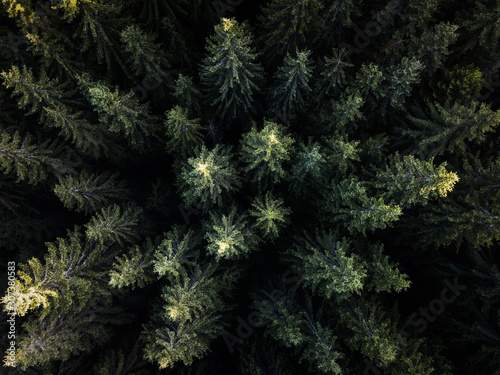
(255, 187)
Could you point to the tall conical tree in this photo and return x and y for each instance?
(229, 73)
(291, 87)
(289, 25)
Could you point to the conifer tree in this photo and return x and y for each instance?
(29, 161)
(145, 57)
(38, 94)
(177, 249)
(135, 268)
(337, 15)
(482, 28)
(114, 224)
(229, 72)
(122, 112)
(270, 215)
(333, 72)
(373, 333)
(184, 133)
(265, 151)
(328, 266)
(189, 317)
(208, 176)
(299, 327)
(433, 45)
(289, 24)
(99, 28)
(450, 129)
(47, 97)
(402, 77)
(291, 86)
(350, 203)
(410, 181)
(187, 94)
(71, 289)
(229, 236)
(89, 192)
(307, 168)
(461, 83)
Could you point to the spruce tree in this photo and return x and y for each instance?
(291, 86)
(289, 24)
(264, 152)
(229, 73)
(184, 133)
(209, 176)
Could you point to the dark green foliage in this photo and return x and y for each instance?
(208, 176)
(265, 152)
(288, 24)
(449, 129)
(87, 192)
(460, 83)
(291, 86)
(184, 134)
(28, 161)
(229, 72)
(266, 187)
(189, 317)
(229, 235)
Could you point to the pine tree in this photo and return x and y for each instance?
(177, 249)
(38, 94)
(410, 181)
(433, 45)
(333, 73)
(187, 94)
(350, 204)
(265, 152)
(289, 24)
(99, 28)
(29, 161)
(328, 265)
(270, 215)
(48, 97)
(450, 129)
(126, 360)
(145, 57)
(89, 192)
(341, 153)
(402, 77)
(208, 177)
(291, 86)
(229, 235)
(71, 289)
(307, 168)
(229, 72)
(373, 333)
(114, 224)
(122, 112)
(482, 28)
(337, 16)
(459, 84)
(383, 275)
(189, 317)
(135, 268)
(184, 134)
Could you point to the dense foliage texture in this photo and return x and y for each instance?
(257, 187)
